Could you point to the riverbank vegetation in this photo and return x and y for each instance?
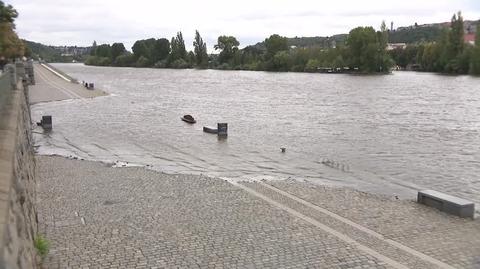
(449, 54)
(363, 51)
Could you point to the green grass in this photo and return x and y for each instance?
(42, 245)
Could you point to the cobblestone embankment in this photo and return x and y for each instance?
(102, 217)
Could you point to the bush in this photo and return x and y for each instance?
(298, 68)
(142, 62)
(42, 246)
(179, 64)
(125, 60)
(160, 64)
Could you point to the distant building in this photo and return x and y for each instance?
(469, 38)
(392, 46)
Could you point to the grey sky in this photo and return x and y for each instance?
(79, 22)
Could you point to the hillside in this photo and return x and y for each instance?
(44, 52)
(56, 53)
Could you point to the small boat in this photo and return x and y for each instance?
(188, 118)
(210, 130)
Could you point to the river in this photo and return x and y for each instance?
(390, 134)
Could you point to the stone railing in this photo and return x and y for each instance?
(18, 218)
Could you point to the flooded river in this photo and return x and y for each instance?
(391, 134)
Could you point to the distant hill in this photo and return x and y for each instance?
(57, 53)
(409, 34)
(317, 41)
(309, 42)
(415, 35)
(38, 50)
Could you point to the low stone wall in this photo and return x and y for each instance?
(18, 217)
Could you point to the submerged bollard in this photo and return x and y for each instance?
(46, 122)
(222, 129)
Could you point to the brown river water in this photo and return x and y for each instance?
(391, 134)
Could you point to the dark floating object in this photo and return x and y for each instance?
(210, 130)
(188, 118)
(46, 122)
(283, 150)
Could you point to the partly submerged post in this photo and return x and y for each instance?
(46, 122)
(222, 129)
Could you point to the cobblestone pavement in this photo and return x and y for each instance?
(102, 217)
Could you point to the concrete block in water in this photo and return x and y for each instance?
(46, 122)
(447, 203)
(222, 129)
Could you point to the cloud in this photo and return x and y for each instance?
(78, 22)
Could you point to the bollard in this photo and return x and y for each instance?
(222, 129)
(46, 122)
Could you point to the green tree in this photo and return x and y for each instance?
(282, 61)
(275, 44)
(366, 51)
(126, 59)
(104, 50)
(7, 13)
(117, 50)
(10, 45)
(178, 50)
(475, 59)
(93, 49)
(455, 46)
(312, 65)
(200, 50)
(227, 45)
(161, 50)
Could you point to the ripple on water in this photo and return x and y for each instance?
(403, 131)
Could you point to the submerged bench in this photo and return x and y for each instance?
(447, 203)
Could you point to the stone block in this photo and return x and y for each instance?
(447, 203)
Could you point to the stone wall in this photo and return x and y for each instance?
(18, 218)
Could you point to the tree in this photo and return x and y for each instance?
(475, 59)
(228, 46)
(178, 50)
(10, 45)
(7, 14)
(161, 50)
(275, 44)
(366, 51)
(455, 46)
(126, 59)
(117, 50)
(361, 47)
(104, 50)
(200, 50)
(93, 50)
(383, 35)
(282, 61)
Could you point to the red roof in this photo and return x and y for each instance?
(469, 38)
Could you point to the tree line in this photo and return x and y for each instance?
(364, 51)
(449, 54)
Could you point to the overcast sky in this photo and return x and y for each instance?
(79, 22)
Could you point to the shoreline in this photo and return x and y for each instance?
(385, 191)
